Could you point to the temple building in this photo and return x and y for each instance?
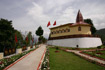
(74, 35)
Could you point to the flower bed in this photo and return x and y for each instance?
(45, 63)
(7, 61)
(92, 61)
(95, 54)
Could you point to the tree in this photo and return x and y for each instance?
(29, 36)
(89, 21)
(42, 39)
(7, 34)
(39, 31)
(19, 37)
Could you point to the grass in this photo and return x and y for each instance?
(68, 61)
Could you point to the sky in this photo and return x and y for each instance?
(28, 15)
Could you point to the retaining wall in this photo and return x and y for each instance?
(84, 42)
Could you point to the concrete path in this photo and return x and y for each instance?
(86, 56)
(30, 62)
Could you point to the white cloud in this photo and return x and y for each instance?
(30, 14)
(67, 16)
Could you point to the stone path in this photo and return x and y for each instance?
(30, 62)
(86, 56)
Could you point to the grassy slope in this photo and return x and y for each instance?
(68, 61)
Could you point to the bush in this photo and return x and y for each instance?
(99, 47)
(57, 47)
(19, 47)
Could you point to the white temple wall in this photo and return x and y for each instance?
(85, 42)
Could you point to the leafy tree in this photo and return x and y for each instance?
(42, 39)
(89, 21)
(39, 31)
(29, 35)
(6, 34)
(101, 33)
(19, 38)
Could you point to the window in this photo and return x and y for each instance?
(51, 32)
(61, 31)
(79, 28)
(57, 31)
(68, 30)
(64, 30)
(54, 32)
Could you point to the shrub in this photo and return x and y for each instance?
(99, 47)
(19, 47)
(57, 48)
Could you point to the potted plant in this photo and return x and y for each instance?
(18, 50)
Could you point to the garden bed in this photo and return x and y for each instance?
(45, 63)
(100, 54)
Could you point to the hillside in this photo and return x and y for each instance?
(101, 33)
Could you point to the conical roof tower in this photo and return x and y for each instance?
(79, 17)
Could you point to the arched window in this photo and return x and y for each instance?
(79, 28)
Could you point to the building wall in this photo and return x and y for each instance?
(73, 30)
(85, 42)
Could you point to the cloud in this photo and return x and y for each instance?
(28, 15)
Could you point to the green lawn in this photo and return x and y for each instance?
(68, 61)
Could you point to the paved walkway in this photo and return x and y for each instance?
(86, 56)
(30, 62)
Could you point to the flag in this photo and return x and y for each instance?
(48, 24)
(54, 23)
(32, 39)
(16, 38)
(27, 39)
(35, 42)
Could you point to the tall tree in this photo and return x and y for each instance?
(7, 34)
(19, 37)
(29, 37)
(39, 31)
(89, 21)
(42, 39)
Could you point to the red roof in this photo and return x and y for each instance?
(79, 19)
